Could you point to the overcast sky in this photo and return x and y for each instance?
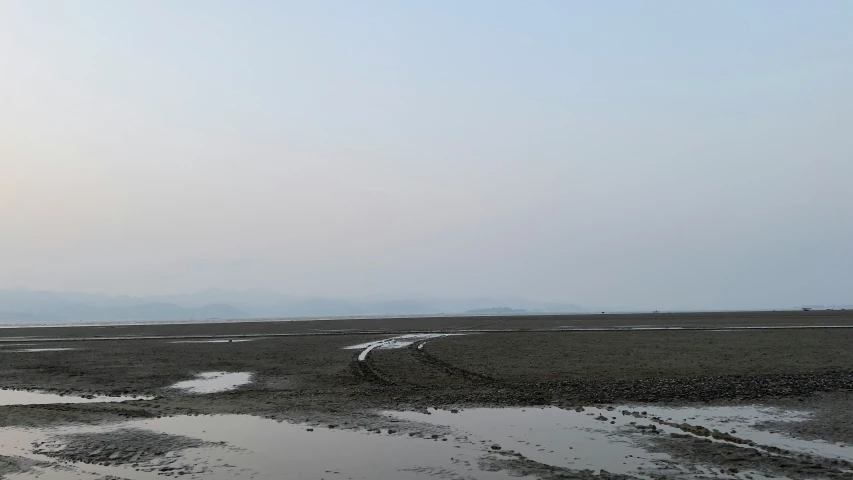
(656, 154)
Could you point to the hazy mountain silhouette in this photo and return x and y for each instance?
(29, 306)
(496, 310)
(25, 306)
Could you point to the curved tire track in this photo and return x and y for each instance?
(362, 366)
(430, 360)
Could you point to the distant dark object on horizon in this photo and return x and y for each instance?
(806, 308)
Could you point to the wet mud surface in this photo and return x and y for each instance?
(443, 323)
(319, 376)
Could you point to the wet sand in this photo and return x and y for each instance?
(434, 323)
(304, 372)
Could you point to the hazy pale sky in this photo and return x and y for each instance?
(657, 154)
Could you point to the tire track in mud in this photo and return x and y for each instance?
(365, 369)
(432, 368)
(364, 366)
(419, 350)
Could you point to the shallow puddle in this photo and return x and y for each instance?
(399, 341)
(483, 443)
(24, 397)
(607, 438)
(241, 446)
(742, 422)
(552, 436)
(40, 349)
(212, 382)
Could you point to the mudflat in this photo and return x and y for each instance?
(516, 359)
(346, 372)
(436, 323)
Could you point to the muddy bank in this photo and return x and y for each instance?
(646, 354)
(831, 417)
(125, 446)
(14, 464)
(123, 367)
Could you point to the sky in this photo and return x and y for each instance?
(652, 155)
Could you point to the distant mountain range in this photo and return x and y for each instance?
(496, 310)
(33, 306)
(25, 306)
